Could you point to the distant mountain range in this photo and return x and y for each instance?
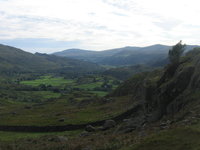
(77, 61)
(13, 60)
(123, 56)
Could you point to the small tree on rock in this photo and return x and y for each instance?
(176, 52)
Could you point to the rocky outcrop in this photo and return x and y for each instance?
(163, 95)
(168, 92)
(134, 123)
(177, 82)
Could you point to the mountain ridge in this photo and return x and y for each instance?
(13, 60)
(128, 55)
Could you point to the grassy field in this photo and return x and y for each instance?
(46, 94)
(29, 96)
(74, 101)
(100, 93)
(89, 86)
(69, 83)
(49, 113)
(48, 80)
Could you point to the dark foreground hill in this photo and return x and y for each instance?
(13, 60)
(166, 92)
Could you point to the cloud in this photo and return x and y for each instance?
(98, 24)
(167, 24)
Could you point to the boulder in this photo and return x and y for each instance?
(109, 124)
(90, 128)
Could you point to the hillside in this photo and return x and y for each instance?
(143, 55)
(170, 106)
(157, 110)
(150, 55)
(125, 72)
(166, 92)
(13, 60)
(89, 55)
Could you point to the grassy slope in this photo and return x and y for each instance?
(174, 139)
(51, 112)
(177, 138)
(14, 60)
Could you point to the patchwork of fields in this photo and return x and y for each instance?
(52, 100)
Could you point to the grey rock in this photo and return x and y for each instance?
(99, 129)
(90, 128)
(109, 124)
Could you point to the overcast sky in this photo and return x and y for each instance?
(53, 25)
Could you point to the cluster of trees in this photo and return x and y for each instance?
(176, 52)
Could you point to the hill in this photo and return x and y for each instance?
(166, 92)
(89, 55)
(157, 109)
(164, 114)
(122, 56)
(125, 72)
(139, 56)
(13, 60)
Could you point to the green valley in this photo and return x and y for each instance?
(78, 105)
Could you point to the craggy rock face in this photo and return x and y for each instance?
(174, 88)
(163, 92)
(178, 80)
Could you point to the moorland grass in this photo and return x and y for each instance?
(184, 138)
(49, 113)
(12, 136)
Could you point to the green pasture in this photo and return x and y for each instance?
(48, 80)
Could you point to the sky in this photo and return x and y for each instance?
(47, 26)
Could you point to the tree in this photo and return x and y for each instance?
(176, 52)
